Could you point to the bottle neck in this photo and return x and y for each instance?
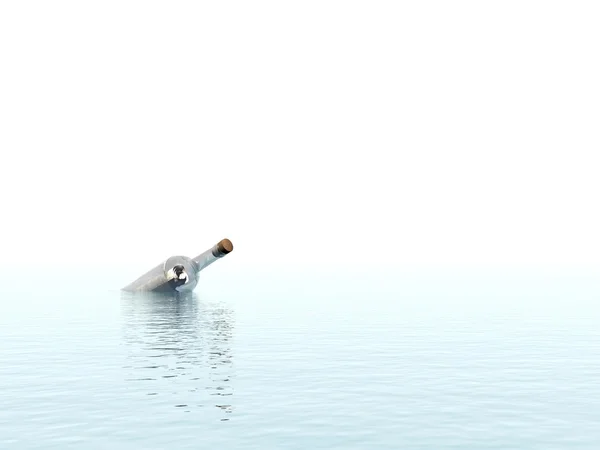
(205, 259)
(219, 250)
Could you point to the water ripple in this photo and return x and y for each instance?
(192, 336)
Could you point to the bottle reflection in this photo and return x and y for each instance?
(179, 348)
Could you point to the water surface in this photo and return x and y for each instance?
(327, 359)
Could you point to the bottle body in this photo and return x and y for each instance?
(178, 273)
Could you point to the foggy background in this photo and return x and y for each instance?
(354, 132)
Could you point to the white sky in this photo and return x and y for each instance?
(356, 132)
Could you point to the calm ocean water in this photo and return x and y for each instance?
(321, 359)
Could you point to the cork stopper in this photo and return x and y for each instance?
(222, 248)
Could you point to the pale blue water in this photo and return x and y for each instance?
(321, 359)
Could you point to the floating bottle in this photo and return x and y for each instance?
(179, 273)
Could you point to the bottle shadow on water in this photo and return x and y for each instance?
(180, 347)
